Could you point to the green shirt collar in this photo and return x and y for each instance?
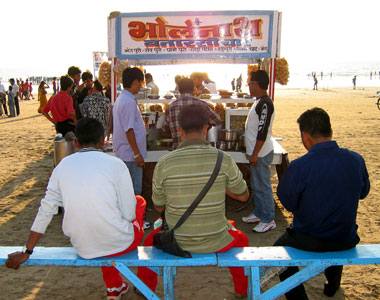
(197, 142)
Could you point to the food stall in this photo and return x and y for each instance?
(230, 37)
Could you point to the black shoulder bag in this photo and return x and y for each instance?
(165, 239)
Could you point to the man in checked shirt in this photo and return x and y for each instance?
(186, 88)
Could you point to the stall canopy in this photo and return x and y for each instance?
(156, 38)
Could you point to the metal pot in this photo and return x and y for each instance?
(228, 135)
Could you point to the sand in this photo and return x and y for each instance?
(26, 152)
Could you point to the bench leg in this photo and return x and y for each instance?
(141, 286)
(168, 278)
(300, 277)
(254, 289)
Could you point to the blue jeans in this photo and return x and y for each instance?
(261, 188)
(136, 175)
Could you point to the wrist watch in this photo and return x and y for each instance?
(25, 250)
(136, 156)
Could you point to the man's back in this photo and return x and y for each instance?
(96, 192)
(323, 189)
(178, 179)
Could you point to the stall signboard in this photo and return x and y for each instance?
(192, 37)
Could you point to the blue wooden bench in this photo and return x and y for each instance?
(254, 258)
(160, 262)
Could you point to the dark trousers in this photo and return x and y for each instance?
(64, 127)
(305, 242)
(17, 105)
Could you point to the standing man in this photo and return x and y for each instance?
(97, 106)
(154, 90)
(102, 215)
(185, 88)
(60, 109)
(15, 94)
(259, 148)
(322, 189)
(129, 134)
(83, 92)
(354, 82)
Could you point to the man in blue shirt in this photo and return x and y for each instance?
(322, 189)
(129, 134)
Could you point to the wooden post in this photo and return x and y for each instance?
(113, 80)
(272, 77)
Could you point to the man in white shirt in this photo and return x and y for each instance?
(15, 92)
(154, 90)
(259, 148)
(102, 215)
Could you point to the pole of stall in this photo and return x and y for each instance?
(113, 80)
(272, 77)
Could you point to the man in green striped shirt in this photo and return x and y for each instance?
(177, 180)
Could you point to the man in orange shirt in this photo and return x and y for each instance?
(60, 108)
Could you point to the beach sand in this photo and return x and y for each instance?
(26, 152)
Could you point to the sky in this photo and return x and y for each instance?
(45, 37)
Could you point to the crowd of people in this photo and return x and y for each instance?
(104, 212)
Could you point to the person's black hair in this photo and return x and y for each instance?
(98, 86)
(261, 77)
(185, 86)
(12, 80)
(315, 122)
(193, 117)
(66, 82)
(73, 70)
(87, 75)
(89, 131)
(148, 76)
(130, 75)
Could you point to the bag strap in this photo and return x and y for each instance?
(203, 192)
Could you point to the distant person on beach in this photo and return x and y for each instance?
(30, 88)
(322, 189)
(315, 87)
(54, 84)
(11, 103)
(102, 215)
(60, 108)
(178, 178)
(3, 100)
(15, 95)
(354, 82)
(42, 99)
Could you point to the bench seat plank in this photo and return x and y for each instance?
(144, 256)
(287, 256)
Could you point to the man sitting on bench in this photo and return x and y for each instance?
(322, 190)
(177, 180)
(102, 215)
